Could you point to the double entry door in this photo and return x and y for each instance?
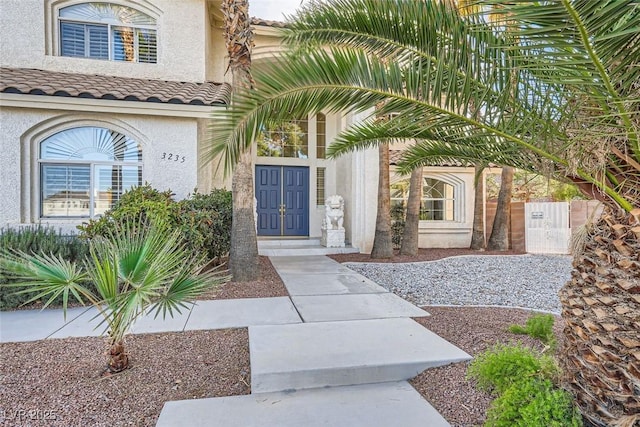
(283, 200)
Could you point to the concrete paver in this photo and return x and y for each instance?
(239, 313)
(324, 354)
(88, 324)
(33, 325)
(308, 265)
(371, 405)
(149, 323)
(329, 284)
(325, 308)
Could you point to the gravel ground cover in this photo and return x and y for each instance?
(424, 254)
(530, 281)
(268, 285)
(58, 382)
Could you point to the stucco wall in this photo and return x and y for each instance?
(28, 33)
(22, 128)
(357, 182)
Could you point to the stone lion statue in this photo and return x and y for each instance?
(334, 212)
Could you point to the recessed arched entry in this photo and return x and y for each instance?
(282, 193)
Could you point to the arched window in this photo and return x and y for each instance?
(107, 31)
(439, 199)
(85, 170)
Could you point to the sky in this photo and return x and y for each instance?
(273, 9)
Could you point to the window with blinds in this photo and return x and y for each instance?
(320, 186)
(321, 136)
(107, 31)
(84, 171)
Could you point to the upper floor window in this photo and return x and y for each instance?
(85, 170)
(107, 31)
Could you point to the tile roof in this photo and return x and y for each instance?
(53, 83)
(268, 23)
(396, 155)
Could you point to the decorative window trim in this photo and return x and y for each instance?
(52, 24)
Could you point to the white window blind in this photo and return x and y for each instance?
(86, 30)
(320, 186)
(84, 171)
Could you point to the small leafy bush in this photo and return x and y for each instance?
(538, 326)
(503, 365)
(36, 240)
(523, 381)
(205, 223)
(138, 205)
(203, 220)
(533, 402)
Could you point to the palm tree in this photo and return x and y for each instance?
(137, 270)
(477, 235)
(382, 239)
(561, 98)
(499, 239)
(243, 255)
(410, 235)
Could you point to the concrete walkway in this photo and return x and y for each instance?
(337, 352)
(347, 364)
(33, 325)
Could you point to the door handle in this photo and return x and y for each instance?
(282, 209)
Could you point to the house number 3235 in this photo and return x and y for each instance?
(172, 157)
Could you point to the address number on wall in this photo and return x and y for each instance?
(173, 157)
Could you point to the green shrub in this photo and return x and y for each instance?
(139, 205)
(533, 402)
(523, 381)
(205, 223)
(538, 326)
(503, 365)
(204, 220)
(36, 240)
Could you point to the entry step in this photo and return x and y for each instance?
(303, 250)
(310, 355)
(371, 405)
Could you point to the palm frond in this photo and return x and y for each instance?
(48, 276)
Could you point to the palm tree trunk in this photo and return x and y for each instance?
(118, 359)
(499, 239)
(382, 241)
(601, 310)
(477, 236)
(411, 236)
(243, 255)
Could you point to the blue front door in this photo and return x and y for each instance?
(283, 200)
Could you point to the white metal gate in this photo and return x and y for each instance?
(547, 228)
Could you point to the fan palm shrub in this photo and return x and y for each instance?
(549, 86)
(136, 270)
